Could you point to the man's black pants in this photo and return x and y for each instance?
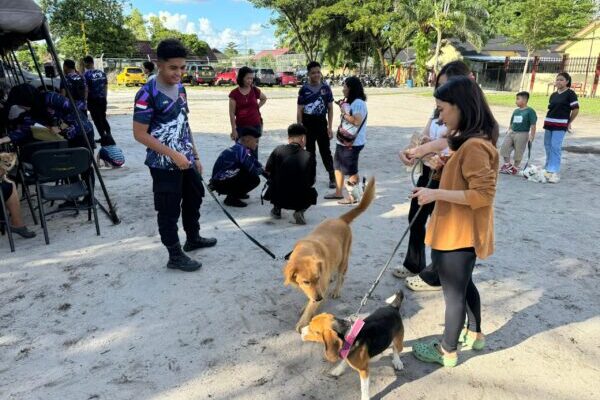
(97, 108)
(236, 186)
(316, 128)
(177, 192)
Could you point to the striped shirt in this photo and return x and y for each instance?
(559, 110)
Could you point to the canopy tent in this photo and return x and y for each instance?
(21, 22)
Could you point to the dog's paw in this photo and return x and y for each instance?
(398, 365)
(301, 324)
(338, 370)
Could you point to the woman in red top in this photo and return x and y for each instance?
(245, 102)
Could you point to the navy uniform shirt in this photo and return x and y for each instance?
(96, 82)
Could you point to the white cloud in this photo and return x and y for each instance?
(255, 35)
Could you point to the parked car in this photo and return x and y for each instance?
(264, 76)
(8, 78)
(287, 78)
(131, 76)
(227, 77)
(197, 74)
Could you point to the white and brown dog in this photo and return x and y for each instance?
(341, 339)
(322, 256)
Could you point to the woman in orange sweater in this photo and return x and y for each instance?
(461, 228)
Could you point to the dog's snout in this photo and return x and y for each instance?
(319, 298)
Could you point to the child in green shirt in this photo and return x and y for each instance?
(521, 131)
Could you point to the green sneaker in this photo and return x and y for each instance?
(469, 341)
(428, 352)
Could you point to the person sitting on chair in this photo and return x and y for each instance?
(11, 198)
(237, 171)
(292, 170)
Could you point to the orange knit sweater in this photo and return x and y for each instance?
(474, 169)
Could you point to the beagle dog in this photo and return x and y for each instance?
(322, 256)
(380, 329)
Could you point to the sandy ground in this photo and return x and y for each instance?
(92, 317)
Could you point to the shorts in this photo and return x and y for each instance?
(7, 189)
(346, 159)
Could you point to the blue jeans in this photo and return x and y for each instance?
(553, 144)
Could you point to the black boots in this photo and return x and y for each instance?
(198, 242)
(179, 260)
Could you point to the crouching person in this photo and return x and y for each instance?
(291, 170)
(237, 171)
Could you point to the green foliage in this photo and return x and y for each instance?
(25, 59)
(231, 50)
(89, 26)
(135, 23)
(421, 44)
(159, 32)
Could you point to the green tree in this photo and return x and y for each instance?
(251, 52)
(158, 32)
(89, 26)
(537, 24)
(135, 23)
(24, 55)
(231, 50)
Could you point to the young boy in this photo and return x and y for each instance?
(292, 171)
(237, 171)
(160, 123)
(315, 112)
(97, 90)
(75, 83)
(521, 131)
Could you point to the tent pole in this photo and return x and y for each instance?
(14, 68)
(10, 73)
(18, 65)
(37, 65)
(112, 212)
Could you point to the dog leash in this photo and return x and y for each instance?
(410, 224)
(529, 144)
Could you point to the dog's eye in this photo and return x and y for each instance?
(306, 282)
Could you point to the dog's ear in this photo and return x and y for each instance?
(333, 344)
(289, 272)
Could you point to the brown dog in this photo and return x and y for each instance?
(322, 256)
(381, 328)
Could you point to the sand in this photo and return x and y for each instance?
(92, 317)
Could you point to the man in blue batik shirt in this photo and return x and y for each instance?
(160, 123)
(96, 99)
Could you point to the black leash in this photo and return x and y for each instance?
(411, 223)
(529, 144)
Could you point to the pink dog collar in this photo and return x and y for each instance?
(351, 337)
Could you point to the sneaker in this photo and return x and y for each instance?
(553, 178)
(402, 272)
(513, 170)
(276, 212)
(234, 202)
(244, 196)
(299, 218)
(198, 243)
(505, 168)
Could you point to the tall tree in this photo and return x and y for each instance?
(94, 26)
(158, 31)
(231, 50)
(135, 23)
(537, 24)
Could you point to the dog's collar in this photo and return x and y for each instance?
(351, 337)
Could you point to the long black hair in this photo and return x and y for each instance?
(453, 68)
(476, 118)
(567, 77)
(355, 89)
(242, 74)
(26, 95)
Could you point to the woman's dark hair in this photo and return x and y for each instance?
(171, 48)
(149, 65)
(356, 90)
(476, 118)
(567, 77)
(242, 74)
(25, 95)
(453, 68)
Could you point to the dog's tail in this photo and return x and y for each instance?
(396, 300)
(366, 200)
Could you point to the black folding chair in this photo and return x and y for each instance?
(5, 224)
(63, 165)
(25, 170)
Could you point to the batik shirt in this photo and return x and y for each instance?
(76, 84)
(59, 110)
(96, 83)
(315, 102)
(167, 121)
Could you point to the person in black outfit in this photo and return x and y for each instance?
(292, 171)
(237, 171)
(97, 85)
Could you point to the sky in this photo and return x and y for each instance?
(217, 22)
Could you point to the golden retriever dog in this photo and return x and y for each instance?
(322, 256)
(7, 162)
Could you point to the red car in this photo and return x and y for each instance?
(287, 78)
(227, 77)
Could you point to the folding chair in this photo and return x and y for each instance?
(50, 166)
(25, 169)
(5, 223)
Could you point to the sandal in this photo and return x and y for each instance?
(347, 202)
(430, 353)
(402, 272)
(333, 196)
(470, 342)
(416, 284)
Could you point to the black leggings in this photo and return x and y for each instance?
(455, 268)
